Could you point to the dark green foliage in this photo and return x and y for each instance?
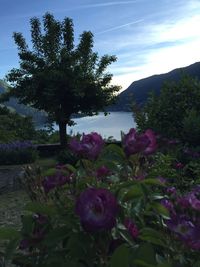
(191, 127)
(15, 127)
(174, 112)
(21, 155)
(18, 157)
(66, 157)
(59, 78)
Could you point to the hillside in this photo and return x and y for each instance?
(39, 117)
(141, 88)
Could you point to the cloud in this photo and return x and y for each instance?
(156, 48)
(121, 26)
(106, 4)
(156, 61)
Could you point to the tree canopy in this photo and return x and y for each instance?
(175, 112)
(59, 77)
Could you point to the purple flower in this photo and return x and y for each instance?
(50, 182)
(102, 172)
(139, 143)
(186, 231)
(140, 176)
(179, 166)
(173, 142)
(97, 209)
(162, 180)
(194, 200)
(171, 190)
(193, 154)
(24, 244)
(131, 227)
(182, 226)
(75, 146)
(183, 202)
(152, 146)
(168, 205)
(134, 143)
(89, 146)
(194, 241)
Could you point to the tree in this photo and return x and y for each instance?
(175, 109)
(59, 78)
(15, 127)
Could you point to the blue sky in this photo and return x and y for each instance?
(147, 36)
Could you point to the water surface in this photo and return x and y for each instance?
(110, 125)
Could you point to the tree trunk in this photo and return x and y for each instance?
(63, 134)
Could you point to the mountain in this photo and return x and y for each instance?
(39, 117)
(141, 88)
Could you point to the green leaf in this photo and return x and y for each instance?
(121, 257)
(160, 209)
(27, 223)
(123, 186)
(168, 265)
(152, 181)
(116, 149)
(11, 247)
(152, 236)
(49, 172)
(141, 263)
(56, 235)
(87, 164)
(196, 264)
(145, 256)
(71, 168)
(134, 192)
(157, 197)
(113, 152)
(79, 246)
(40, 208)
(7, 233)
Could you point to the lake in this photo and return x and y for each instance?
(110, 125)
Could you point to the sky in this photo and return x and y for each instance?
(147, 36)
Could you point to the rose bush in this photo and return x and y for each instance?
(123, 205)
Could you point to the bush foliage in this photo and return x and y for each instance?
(131, 206)
(175, 112)
(14, 126)
(18, 152)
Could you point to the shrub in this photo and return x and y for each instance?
(66, 157)
(14, 126)
(191, 128)
(172, 113)
(110, 209)
(18, 152)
